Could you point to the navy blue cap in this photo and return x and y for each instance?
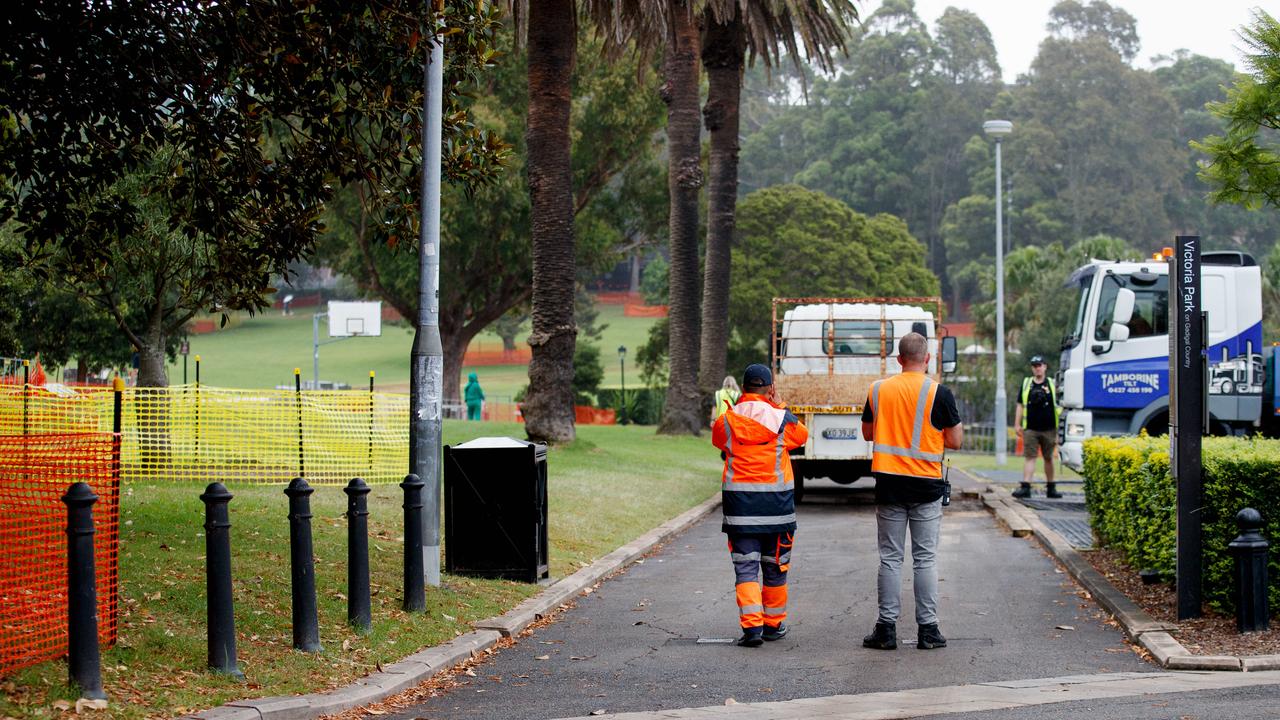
(757, 375)
(1037, 360)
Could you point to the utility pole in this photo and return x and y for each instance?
(427, 358)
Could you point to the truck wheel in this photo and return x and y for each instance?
(1227, 387)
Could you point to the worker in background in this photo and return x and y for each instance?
(473, 395)
(912, 420)
(726, 397)
(758, 491)
(1036, 420)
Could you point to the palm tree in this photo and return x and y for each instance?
(550, 27)
(731, 28)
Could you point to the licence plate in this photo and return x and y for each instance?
(840, 433)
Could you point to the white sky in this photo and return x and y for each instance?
(1206, 28)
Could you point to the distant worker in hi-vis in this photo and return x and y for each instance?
(912, 420)
(1036, 419)
(758, 490)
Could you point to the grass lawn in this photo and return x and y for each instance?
(262, 351)
(986, 463)
(603, 492)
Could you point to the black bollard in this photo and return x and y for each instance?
(306, 625)
(83, 660)
(1250, 550)
(415, 599)
(358, 612)
(219, 609)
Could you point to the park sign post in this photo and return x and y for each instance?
(1187, 416)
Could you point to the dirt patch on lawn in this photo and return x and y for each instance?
(1213, 634)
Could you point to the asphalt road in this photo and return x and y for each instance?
(656, 636)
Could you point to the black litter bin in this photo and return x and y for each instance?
(495, 499)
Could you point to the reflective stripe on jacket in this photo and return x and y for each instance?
(1053, 396)
(757, 484)
(906, 442)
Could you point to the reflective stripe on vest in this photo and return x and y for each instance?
(882, 447)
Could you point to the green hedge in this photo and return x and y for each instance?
(1133, 504)
(644, 405)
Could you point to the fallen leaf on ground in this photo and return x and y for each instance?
(543, 657)
(85, 704)
(1064, 627)
(730, 701)
(596, 712)
(61, 705)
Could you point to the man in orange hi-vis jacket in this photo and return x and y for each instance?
(758, 488)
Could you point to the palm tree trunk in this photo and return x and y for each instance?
(683, 414)
(548, 407)
(723, 47)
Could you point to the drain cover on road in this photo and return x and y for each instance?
(1075, 530)
(1054, 505)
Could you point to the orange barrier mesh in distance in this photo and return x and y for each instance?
(35, 472)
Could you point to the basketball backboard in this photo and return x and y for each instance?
(349, 319)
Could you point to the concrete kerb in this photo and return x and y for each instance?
(422, 665)
(1149, 633)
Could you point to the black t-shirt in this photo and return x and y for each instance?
(1039, 407)
(896, 489)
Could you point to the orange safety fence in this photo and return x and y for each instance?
(587, 415)
(650, 311)
(478, 358)
(35, 472)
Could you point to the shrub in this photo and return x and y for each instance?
(1132, 504)
(644, 405)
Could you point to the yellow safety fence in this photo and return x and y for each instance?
(201, 433)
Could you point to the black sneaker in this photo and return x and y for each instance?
(929, 637)
(1024, 491)
(884, 637)
(1052, 492)
(772, 633)
(751, 637)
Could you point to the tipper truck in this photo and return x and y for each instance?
(826, 352)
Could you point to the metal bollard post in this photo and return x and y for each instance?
(83, 660)
(306, 624)
(1250, 550)
(415, 599)
(358, 610)
(219, 609)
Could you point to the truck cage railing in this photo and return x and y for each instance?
(776, 356)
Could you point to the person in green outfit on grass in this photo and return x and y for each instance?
(473, 395)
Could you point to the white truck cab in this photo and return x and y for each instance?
(1114, 370)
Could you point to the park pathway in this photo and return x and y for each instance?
(658, 636)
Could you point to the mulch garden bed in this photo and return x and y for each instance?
(1212, 634)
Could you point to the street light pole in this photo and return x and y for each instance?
(622, 369)
(997, 129)
(427, 359)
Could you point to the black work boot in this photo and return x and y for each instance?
(751, 637)
(772, 633)
(884, 637)
(1023, 491)
(929, 637)
(1051, 491)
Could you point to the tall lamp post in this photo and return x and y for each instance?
(997, 129)
(622, 368)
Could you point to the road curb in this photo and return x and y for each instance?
(1151, 634)
(422, 665)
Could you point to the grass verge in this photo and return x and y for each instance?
(611, 485)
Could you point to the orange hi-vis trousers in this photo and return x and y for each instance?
(771, 553)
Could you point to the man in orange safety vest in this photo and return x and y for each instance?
(912, 420)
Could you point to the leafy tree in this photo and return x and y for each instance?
(1244, 164)
(587, 373)
(486, 269)
(186, 187)
(798, 242)
(653, 281)
(1096, 19)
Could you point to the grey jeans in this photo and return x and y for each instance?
(891, 523)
